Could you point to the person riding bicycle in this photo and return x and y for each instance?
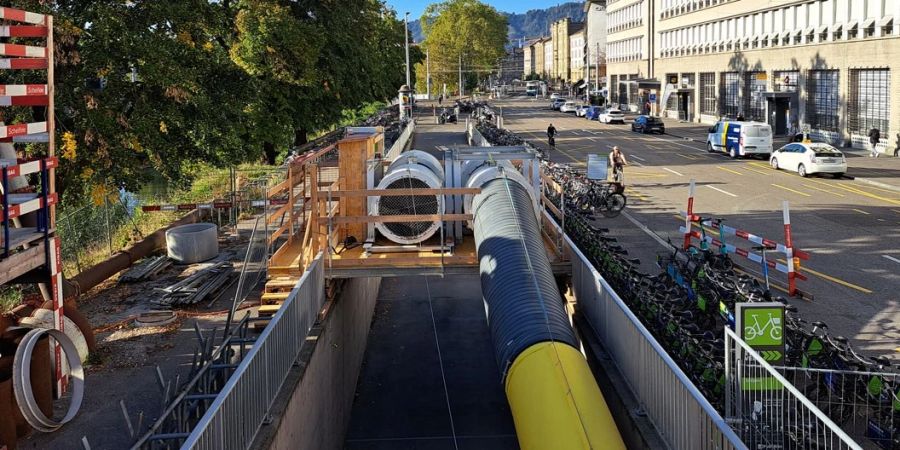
(551, 133)
(618, 162)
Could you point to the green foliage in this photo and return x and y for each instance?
(462, 29)
(219, 82)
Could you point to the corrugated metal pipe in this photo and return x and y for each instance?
(553, 396)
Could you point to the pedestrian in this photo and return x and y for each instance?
(618, 162)
(874, 137)
(647, 108)
(740, 117)
(551, 134)
(440, 99)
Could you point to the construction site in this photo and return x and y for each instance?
(405, 283)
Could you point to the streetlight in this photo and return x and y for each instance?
(406, 35)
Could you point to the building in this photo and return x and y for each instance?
(576, 55)
(528, 59)
(595, 42)
(548, 59)
(562, 33)
(512, 65)
(538, 55)
(825, 64)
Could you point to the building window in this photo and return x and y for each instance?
(708, 93)
(869, 105)
(633, 99)
(786, 80)
(755, 84)
(730, 87)
(822, 103)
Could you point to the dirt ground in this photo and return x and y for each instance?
(124, 367)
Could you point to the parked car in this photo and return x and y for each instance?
(554, 96)
(611, 115)
(582, 110)
(568, 107)
(557, 103)
(740, 138)
(593, 112)
(809, 158)
(648, 124)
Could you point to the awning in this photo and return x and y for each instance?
(578, 84)
(798, 32)
(836, 27)
(852, 24)
(778, 94)
(784, 34)
(821, 29)
(809, 30)
(868, 23)
(885, 21)
(648, 83)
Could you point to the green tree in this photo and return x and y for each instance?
(462, 30)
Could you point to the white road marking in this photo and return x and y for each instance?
(672, 171)
(886, 256)
(638, 158)
(649, 232)
(592, 139)
(637, 164)
(717, 189)
(575, 133)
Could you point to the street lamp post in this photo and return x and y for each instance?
(406, 36)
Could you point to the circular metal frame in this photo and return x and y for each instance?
(405, 171)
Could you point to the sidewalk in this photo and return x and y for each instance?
(883, 172)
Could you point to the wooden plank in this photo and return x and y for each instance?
(279, 212)
(551, 183)
(406, 261)
(279, 232)
(22, 262)
(400, 192)
(394, 219)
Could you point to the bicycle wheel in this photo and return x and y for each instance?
(615, 203)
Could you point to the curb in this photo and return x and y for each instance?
(878, 184)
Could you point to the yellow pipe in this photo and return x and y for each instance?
(556, 403)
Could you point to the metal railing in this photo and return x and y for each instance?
(401, 142)
(682, 416)
(768, 411)
(236, 415)
(253, 269)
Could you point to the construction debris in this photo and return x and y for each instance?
(149, 270)
(198, 286)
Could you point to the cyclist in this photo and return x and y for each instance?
(618, 162)
(551, 133)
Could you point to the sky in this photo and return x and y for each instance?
(415, 7)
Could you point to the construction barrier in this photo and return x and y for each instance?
(791, 254)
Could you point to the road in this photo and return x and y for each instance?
(850, 229)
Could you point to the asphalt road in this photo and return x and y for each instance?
(850, 229)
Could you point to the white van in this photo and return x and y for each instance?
(740, 138)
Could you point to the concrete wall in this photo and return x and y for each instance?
(313, 409)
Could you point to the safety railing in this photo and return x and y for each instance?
(236, 415)
(682, 416)
(768, 411)
(402, 141)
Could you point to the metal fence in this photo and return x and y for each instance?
(242, 406)
(768, 411)
(681, 414)
(254, 267)
(94, 232)
(401, 142)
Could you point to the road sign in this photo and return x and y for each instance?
(761, 326)
(596, 167)
(652, 98)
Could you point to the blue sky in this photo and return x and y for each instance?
(415, 7)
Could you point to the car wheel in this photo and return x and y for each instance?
(801, 169)
(633, 128)
(837, 175)
(733, 153)
(774, 163)
(644, 130)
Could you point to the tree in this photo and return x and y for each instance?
(463, 30)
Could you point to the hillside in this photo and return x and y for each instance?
(533, 23)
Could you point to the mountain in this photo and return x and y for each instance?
(532, 24)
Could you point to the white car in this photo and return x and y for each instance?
(568, 107)
(581, 110)
(611, 115)
(809, 158)
(554, 96)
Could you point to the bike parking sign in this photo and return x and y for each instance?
(761, 326)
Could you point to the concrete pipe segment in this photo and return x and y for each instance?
(197, 242)
(414, 169)
(553, 396)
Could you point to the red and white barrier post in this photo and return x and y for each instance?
(688, 217)
(789, 251)
(56, 280)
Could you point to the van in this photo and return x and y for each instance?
(531, 88)
(740, 138)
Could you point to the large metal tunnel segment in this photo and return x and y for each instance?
(413, 169)
(554, 399)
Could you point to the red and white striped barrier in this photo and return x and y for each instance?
(23, 63)
(56, 280)
(17, 90)
(25, 51)
(791, 254)
(25, 167)
(22, 31)
(17, 15)
(22, 128)
(25, 100)
(27, 207)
